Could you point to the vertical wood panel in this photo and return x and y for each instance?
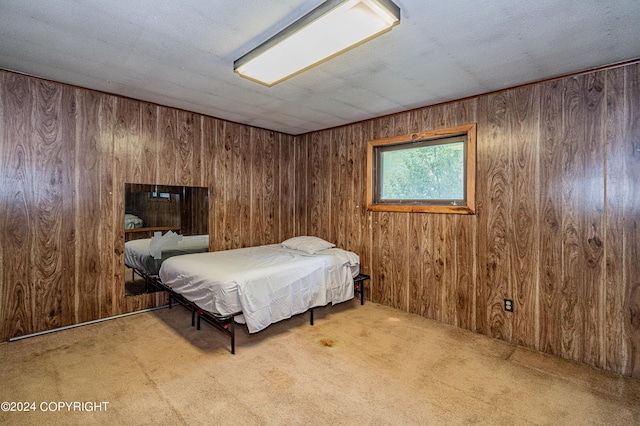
(319, 186)
(617, 350)
(149, 161)
(52, 122)
(17, 178)
(189, 149)
(422, 300)
(242, 191)
(592, 227)
(231, 231)
(494, 253)
(37, 192)
(68, 242)
(382, 236)
(401, 260)
(570, 320)
(268, 189)
(130, 154)
(572, 196)
(458, 302)
(169, 161)
(178, 141)
(302, 189)
(583, 195)
(215, 153)
(260, 195)
(107, 220)
(551, 272)
(461, 307)
(507, 167)
(357, 223)
(622, 324)
(524, 136)
(324, 215)
(289, 185)
(341, 184)
(94, 147)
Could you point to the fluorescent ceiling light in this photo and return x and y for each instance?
(328, 30)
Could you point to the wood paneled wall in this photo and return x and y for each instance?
(557, 227)
(65, 155)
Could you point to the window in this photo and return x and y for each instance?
(423, 172)
(160, 196)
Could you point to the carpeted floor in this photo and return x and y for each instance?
(358, 365)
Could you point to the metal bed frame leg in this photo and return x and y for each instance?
(359, 285)
(232, 330)
(311, 316)
(225, 324)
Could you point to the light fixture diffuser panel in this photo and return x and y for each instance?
(332, 28)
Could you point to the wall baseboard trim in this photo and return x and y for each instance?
(40, 333)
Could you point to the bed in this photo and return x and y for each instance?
(261, 285)
(138, 254)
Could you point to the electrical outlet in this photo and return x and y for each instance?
(508, 305)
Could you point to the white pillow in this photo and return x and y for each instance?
(307, 244)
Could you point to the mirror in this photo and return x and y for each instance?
(161, 211)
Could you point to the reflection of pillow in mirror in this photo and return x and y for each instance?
(307, 244)
(132, 221)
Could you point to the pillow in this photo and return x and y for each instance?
(307, 244)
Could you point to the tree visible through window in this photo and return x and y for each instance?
(423, 172)
(431, 172)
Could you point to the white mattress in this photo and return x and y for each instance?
(266, 283)
(137, 254)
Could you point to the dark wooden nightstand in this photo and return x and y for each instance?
(358, 285)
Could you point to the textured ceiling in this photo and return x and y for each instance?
(181, 53)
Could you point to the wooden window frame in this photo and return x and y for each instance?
(470, 175)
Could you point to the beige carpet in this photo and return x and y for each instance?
(358, 365)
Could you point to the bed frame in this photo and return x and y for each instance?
(225, 323)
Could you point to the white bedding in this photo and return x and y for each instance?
(266, 283)
(137, 253)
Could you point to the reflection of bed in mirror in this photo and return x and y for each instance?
(153, 209)
(138, 256)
